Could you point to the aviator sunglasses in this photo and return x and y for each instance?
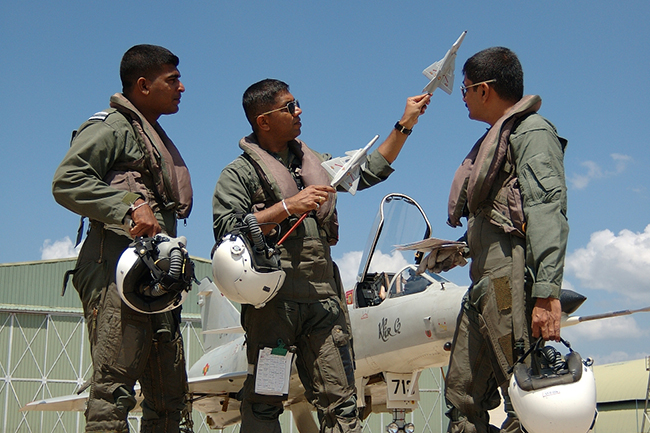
(290, 107)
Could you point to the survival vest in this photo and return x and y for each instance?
(279, 183)
(490, 163)
(171, 178)
(161, 177)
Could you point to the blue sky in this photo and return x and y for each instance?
(351, 65)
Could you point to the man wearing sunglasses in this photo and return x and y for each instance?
(278, 178)
(511, 188)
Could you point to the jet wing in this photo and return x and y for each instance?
(438, 77)
(229, 330)
(67, 403)
(345, 170)
(574, 320)
(334, 165)
(448, 82)
(431, 71)
(73, 402)
(217, 383)
(441, 73)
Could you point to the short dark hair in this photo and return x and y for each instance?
(261, 96)
(143, 61)
(500, 64)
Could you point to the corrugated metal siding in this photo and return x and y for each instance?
(621, 381)
(430, 416)
(44, 350)
(37, 285)
(620, 418)
(45, 357)
(621, 392)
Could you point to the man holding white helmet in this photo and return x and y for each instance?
(278, 178)
(512, 190)
(560, 397)
(128, 178)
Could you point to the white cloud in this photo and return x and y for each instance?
(594, 171)
(349, 267)
(60, 249)
(605, 329)
(620, 162)
(615, 263)
(566, 284)
(580, 181)
(608, 340)
(392, 263)
(350, 262)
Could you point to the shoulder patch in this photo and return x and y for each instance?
(100, 115)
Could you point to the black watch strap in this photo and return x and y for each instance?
(402, 128)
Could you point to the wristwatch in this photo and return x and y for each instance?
(402, 129)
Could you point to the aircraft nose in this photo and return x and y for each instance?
(571, 300)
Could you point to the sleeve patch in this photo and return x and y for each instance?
(100, 115)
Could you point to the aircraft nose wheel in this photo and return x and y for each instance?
(399, 423)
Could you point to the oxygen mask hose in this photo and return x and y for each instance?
(256, 232)
(171, 248)
(553, 359)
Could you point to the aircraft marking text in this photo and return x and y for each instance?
(385, 331)
(401, 387)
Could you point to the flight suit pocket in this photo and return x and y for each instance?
(502, 292)
(541, 178)
(132, 181)
(339, 337)
(341, 340)
(515, 205)
(89, 280)
(134, 346)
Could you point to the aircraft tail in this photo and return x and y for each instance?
(220, 320)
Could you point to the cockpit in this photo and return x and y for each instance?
(384, 272)
(382, 285)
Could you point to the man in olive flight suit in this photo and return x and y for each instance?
(278, 178)
(511, 188)
(121, 166)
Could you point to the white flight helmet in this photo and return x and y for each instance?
(562, 399)
(155, 274)
(245, 272)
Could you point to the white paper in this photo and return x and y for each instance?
(273, 373)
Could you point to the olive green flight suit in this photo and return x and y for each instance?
(502, 265)
(126, 346)
(308, 314)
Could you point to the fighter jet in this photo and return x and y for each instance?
(402, 322)
(345, 170)
(441, 73)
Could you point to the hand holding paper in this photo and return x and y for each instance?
(443, 255)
